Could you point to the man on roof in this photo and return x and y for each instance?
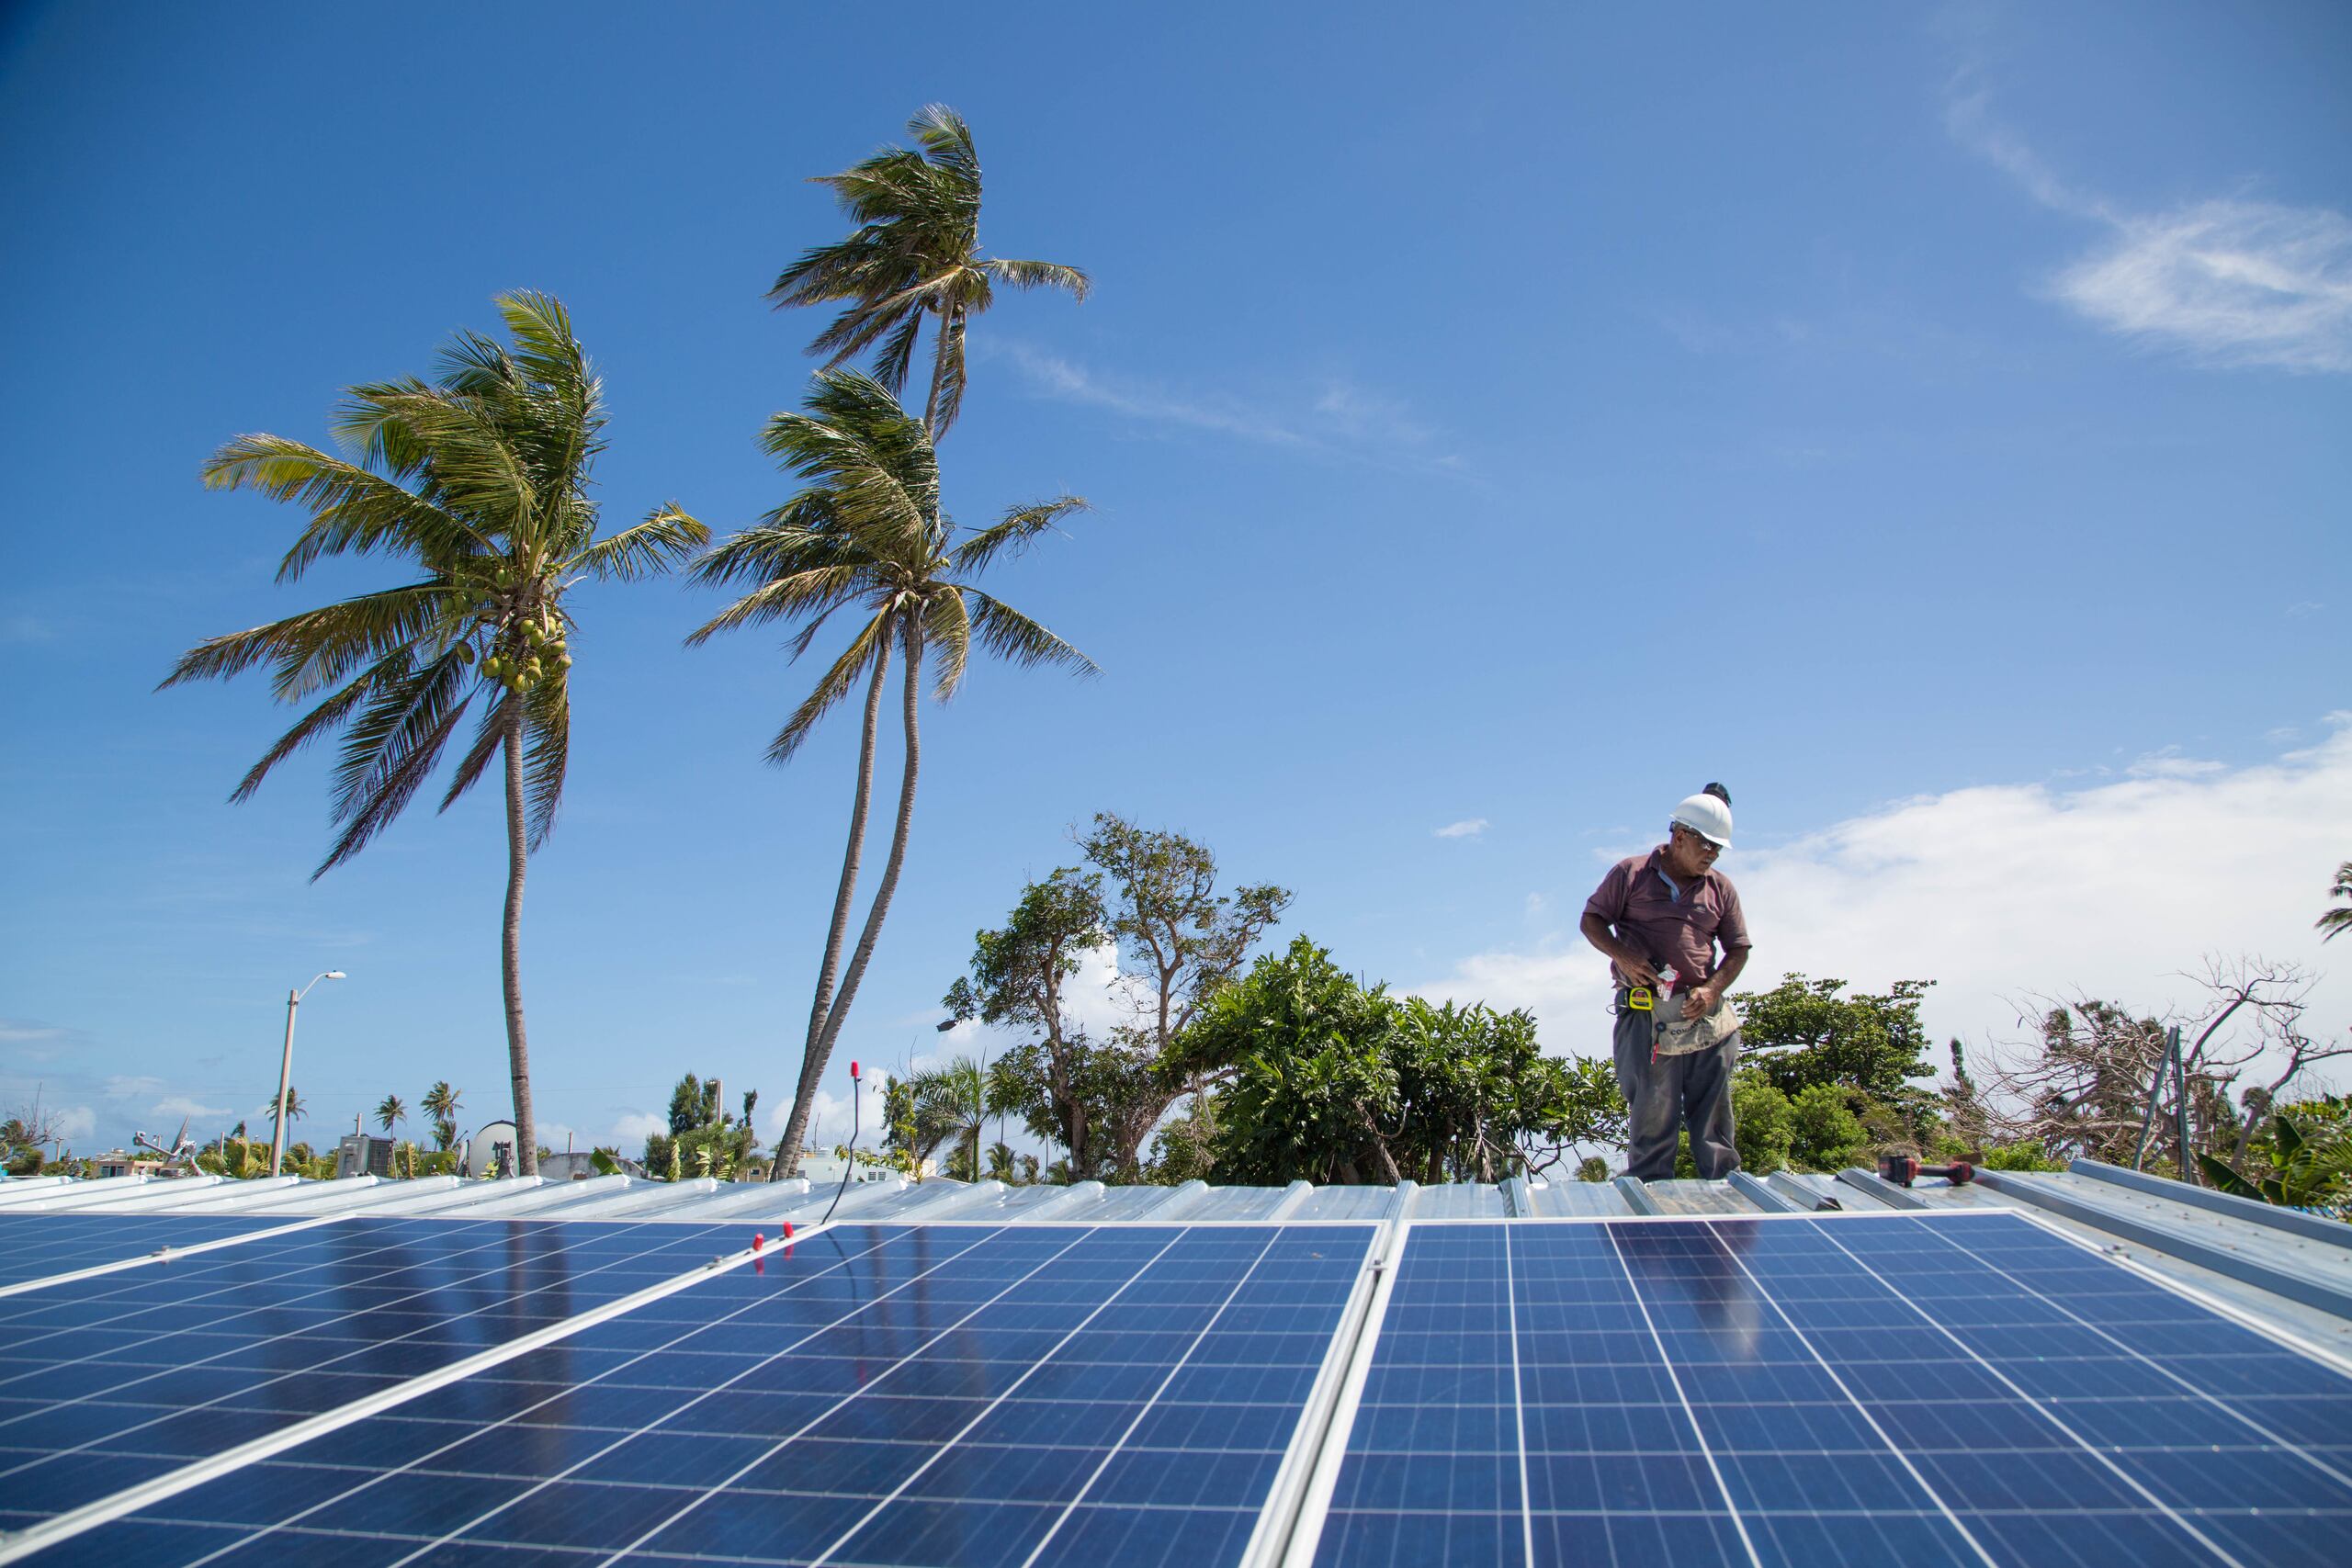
(1661, 916)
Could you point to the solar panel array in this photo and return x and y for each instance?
(1965, 1388)
(1962, 1389)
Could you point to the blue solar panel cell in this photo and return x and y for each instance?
(121, 1377)
(874, 1395)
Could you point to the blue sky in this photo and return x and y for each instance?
(1929, 421)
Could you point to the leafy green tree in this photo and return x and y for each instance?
(2336, 922)
(1313, 1079)
(1592, 1167)
(915, 254)
(390, 1111)
(1173, 928)
(481, 480)
(1826, 1133)
(704, 1137)
(1335, 1080)
(1015, 982)
(1803, 1031)
(1763, 1124)
(868, 531)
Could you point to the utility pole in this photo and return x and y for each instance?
(285, 1067)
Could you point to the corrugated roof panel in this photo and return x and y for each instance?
(1460, 1200)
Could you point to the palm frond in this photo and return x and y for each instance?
(897, 353)
(871, 642)
(1022, 524)
(946, 142)
(489, 733)
(666, 538)
(546, 716)
(875, 463)
(319, 648)
(819, 592)
(1013, 636)
(1039, 275)
(353, 510)
(947, 638)
(318, 721)
(389, 749)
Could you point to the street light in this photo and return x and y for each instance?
(285, 1067)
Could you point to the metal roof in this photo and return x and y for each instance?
(2288, 1272)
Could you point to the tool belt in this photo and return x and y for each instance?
(1671, 1034)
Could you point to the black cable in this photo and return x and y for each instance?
(849, 1153)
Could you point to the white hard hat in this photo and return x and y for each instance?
(1708, 818)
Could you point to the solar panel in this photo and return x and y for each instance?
(35, 1246)
(1963, 1388)
(1021, 1394)
(105, 1381)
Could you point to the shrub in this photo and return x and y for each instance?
(1827, 1134)
(2020, 1156)
(1763, 1123)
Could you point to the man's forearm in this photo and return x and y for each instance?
(1733, 961)
(1595, 931)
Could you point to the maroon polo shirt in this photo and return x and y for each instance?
(1669, 925)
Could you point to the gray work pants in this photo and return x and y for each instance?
(1660, 1093)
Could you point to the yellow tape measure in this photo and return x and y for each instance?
(1639, 999)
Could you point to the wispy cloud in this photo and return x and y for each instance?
(2227, 281)
(182, 1105)
(1469, 828)
(1332, 415)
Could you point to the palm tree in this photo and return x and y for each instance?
(390, 1114)
(480, 480)
(868, 532)
(293, 1106)
(915, 252)
(441, 1103)
(953, 1099)
(2336, 922)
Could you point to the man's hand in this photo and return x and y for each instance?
(1700, 1001)
(1636, 969)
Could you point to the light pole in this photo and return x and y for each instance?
(285, 1067)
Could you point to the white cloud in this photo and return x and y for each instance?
(182, 1105)
(2229, 282)
(1536, 905)
(1333, 415)
(1999, 892)
(1470, 827)
(2169, 763)
(118, 1087)
(2232, 282)
(631, 1129)
(76, 1122)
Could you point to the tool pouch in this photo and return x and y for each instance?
(1678, 1037)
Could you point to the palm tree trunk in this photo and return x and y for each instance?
(788, 1152)
(890, 883)
(938, 371)
(519, 1051)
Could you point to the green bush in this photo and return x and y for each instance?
(1763, 1123)
(1592, 1167)
(2020, 1156)
(1827, 1135)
